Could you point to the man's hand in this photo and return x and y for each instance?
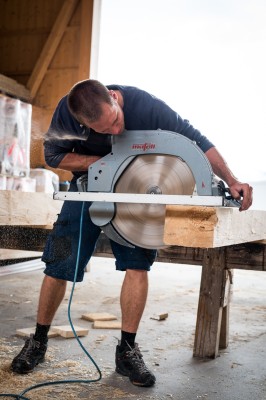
(237, 189)
(242, 191)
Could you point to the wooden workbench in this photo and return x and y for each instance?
(212, 326)
(183, 227)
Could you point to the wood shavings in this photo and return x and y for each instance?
(54, 370)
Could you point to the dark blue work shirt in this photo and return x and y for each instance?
(142, 111)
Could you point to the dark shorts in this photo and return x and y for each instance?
(61, 249)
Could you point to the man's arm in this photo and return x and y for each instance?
(221, 169)
(77, 162)
(61, 139)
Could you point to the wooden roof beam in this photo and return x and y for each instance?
(50, 46)
(85, 39)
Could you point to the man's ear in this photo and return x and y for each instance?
(113, 94)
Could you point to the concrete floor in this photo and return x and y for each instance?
(238, 373)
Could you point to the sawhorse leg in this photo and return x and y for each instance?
(212, 325)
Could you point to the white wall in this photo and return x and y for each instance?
(259, 195)
(205, 58)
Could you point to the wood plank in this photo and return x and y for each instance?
(246, 256)
(228, 290)
(107, 325)
(23, 237)
(85, 39)
(59, 81)
(8, 254)
(224, 331)
(249, 256)
(13, 88)
(23, 208)
(67, 53)
(51, 45)
(261, 241)
(26, 332)
(98, 317)
(160, 317)
(66, 331)
(209, 317)
(209, 227)
(41, 119)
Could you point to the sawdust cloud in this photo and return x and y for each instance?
(37, 133)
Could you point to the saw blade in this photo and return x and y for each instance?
(143, 224)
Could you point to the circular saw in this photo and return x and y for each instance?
(145, 170)
(145, 162)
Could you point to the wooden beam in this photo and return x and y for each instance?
(246, 256)
(28, 209)
(210, 304)
(209, 227)
(23, 238)
(13, 88)
(85, 39)
(50, 46)
(227, 291)
(9, 254)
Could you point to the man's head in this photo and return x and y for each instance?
(93, 105)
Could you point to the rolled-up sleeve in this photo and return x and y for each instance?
(62, 135)
(54, 153)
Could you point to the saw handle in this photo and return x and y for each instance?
(225, 191)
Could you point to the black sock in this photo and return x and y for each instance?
(127, 339)
(41, 333)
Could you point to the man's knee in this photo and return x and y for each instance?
(137, 274)
(52, 281)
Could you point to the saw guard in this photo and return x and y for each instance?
(103, 174)
(106, 175)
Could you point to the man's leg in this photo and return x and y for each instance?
(60, 256)
(33, 352)
(51, 296)
(133, 299)
(136, 262)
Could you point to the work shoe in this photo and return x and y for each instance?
(32, 354)
(129, 363)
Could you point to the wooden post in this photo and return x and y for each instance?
(210, 307)
(228, 290)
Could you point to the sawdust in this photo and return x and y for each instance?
(53, 370)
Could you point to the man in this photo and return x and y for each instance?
(80, 133)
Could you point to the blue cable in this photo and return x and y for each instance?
(64, 382)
